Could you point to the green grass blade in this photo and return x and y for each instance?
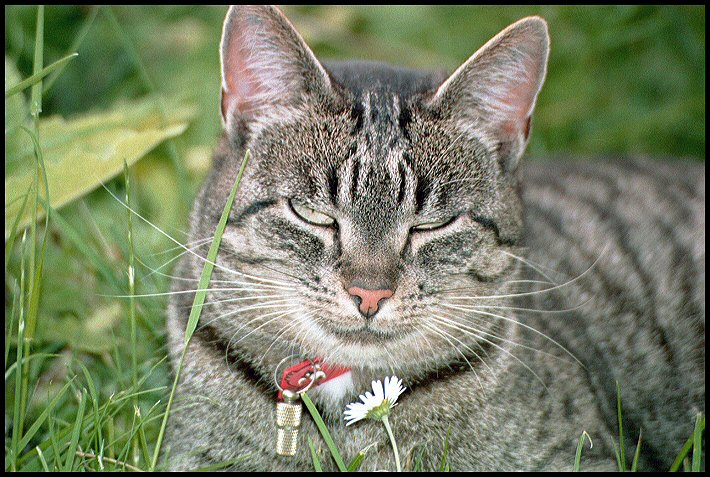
(34, 292)
(16, 431)
(40, 420)
(35, 108)
(76, 44)
(211, 257)
(616, 452)
(98, 442)
(36, 97)
(35, 289)
(622, 453)
(221, 465)
(13, 231)
(355, 464)
(13, 366)
(131, 278)
(141, 435)
(37, 77)
(42, 460)
(74, 443)
(54, 444)
(698, 443)
(324, 432)
(130, 442)
(419, 461)
(580, 445)
(132, 306)
(8, 334)
(199, 300)
(637, 454)
(314, 456)
(444, 466)
(685, 449)
(40, 168)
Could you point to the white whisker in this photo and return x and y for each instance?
(443, 334)
(530, 310)
(506, 318)
(451, 324)
(537, 292)
(194, 244)
(468, 321)
(278, 316)
(295, 322)
(460, 327)
(169, 237)
(276, 299)
(182, 292)
(530, 264)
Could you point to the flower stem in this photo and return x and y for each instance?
(386, 422)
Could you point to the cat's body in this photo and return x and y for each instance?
(519, 298)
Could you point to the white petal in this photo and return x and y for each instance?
(353, 419)
(391, 390)
(378, 390)
(355, 412)
(371, 401)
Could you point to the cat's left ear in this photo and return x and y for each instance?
(268, 71)
(493, 93)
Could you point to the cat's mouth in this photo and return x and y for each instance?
(367, 333)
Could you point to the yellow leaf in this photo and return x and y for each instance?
(84, 152)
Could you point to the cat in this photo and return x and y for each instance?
(386, 223)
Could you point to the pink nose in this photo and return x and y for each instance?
(369, 299)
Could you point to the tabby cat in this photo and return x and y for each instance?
(386, 224)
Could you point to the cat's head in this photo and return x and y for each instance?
(378, 200)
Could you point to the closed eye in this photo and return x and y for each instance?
(428, 226)
(310, 215)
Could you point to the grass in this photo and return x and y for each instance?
(199, 300)
(693, 443)
(332, 447)
(87, 379)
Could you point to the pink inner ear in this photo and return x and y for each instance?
(512, 128)
(242, 85)
(266, 65)
(518, 99)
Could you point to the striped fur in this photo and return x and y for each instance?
(522, 294)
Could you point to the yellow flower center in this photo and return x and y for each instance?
(380, 411)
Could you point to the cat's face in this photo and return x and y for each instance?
(377, 200)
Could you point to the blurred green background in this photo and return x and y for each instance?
(621, 80)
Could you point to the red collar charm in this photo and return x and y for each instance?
(308, 374)
(296, 380)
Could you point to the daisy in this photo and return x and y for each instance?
(377, 406)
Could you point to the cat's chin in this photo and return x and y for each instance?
(365, 336)
(362, 347)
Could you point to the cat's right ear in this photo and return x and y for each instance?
(268, 71)
(494, 92)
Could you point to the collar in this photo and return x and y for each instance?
(306, 375)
